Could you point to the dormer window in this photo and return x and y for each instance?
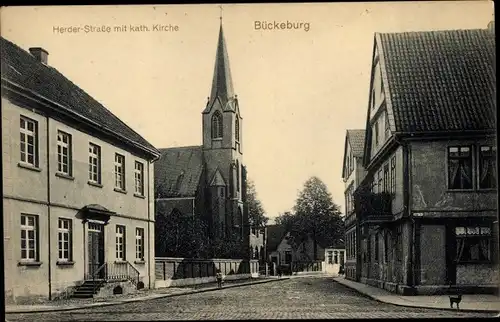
(217, 125)
(179, 181)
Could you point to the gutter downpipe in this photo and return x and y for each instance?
(48, 206)
(411, 279)
(149, 221)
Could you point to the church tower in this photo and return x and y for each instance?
(222, 148)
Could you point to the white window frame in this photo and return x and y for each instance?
(120, 171)
(94, 163)
(61, 145)
(139, 243)
(26, 227)
(25, 134)
(120, 243)
(64, 228)
(139, 178)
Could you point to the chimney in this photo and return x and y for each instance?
(491, 26)
(40, 54)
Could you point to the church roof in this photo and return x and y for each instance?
(178, 172)
(22, 70)
(439, 81)
(356, 139)
(222, 83)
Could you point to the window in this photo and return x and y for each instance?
(387, 127)
(288, 257)
(216, 125)
(373, 99)
(29, 146)
(330, 257)
(393, 175)
(380, 181)
(335, 257)
(375, 133)
(139, 244)
(237, 176)
(354, 245)
(29, 238)
(64, 239)
(139, 178)
(64, 153)
(119, 171)
(237, 130)
(487, 167)
(120, 242)
(376, 248)
(386, 178)
(179, 181)
(222, 192)
(341, 260)
(473, 244)
(387, 241)
(94, 163)
(459, 167)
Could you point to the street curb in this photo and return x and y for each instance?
(151, 297)
(418, 306)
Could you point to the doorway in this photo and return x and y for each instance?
(95, 246)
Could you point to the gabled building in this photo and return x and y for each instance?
(209, 180)
(77, 185)
(428, 204)
(352, 175)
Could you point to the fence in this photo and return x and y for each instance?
(171, 271)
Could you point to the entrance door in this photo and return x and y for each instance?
(95, 249)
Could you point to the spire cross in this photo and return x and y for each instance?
(220, 15)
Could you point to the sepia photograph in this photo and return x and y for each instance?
(250, 161)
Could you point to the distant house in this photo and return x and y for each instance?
(352, 175)
(335, 258)
(77, 184)
(284, 250)
(428, 204)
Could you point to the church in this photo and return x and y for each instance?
(208, 180)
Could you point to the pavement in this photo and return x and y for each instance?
(304, 297)
(76, 304)
(469, 303)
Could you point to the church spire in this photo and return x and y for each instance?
(222, 84)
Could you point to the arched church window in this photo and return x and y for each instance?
(179, 181)
(237, 130)
(237, 175)
(216, 125)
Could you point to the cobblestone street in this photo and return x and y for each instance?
(300, 298)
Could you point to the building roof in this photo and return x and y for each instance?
(275, 234)
(356, 139)
(440, 80)
(178, 172)
(222, 83)
(21, 69)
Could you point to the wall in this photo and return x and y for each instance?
(26, 191)
(182, 271)
(429, 191)
(432, 255)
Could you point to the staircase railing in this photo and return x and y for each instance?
(116, 271)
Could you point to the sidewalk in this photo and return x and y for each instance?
(75, 304)
(473, 303)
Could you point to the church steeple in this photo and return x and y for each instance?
(222, 83)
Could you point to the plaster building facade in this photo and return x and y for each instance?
(77, 183)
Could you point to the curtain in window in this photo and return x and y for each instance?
(466, 172)
(453, 168)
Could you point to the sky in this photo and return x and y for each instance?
(299, 90)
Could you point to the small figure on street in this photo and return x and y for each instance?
(218, 276)
(278, 269)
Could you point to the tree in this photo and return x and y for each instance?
(315, 215)
(256, 214)
(180, 235)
